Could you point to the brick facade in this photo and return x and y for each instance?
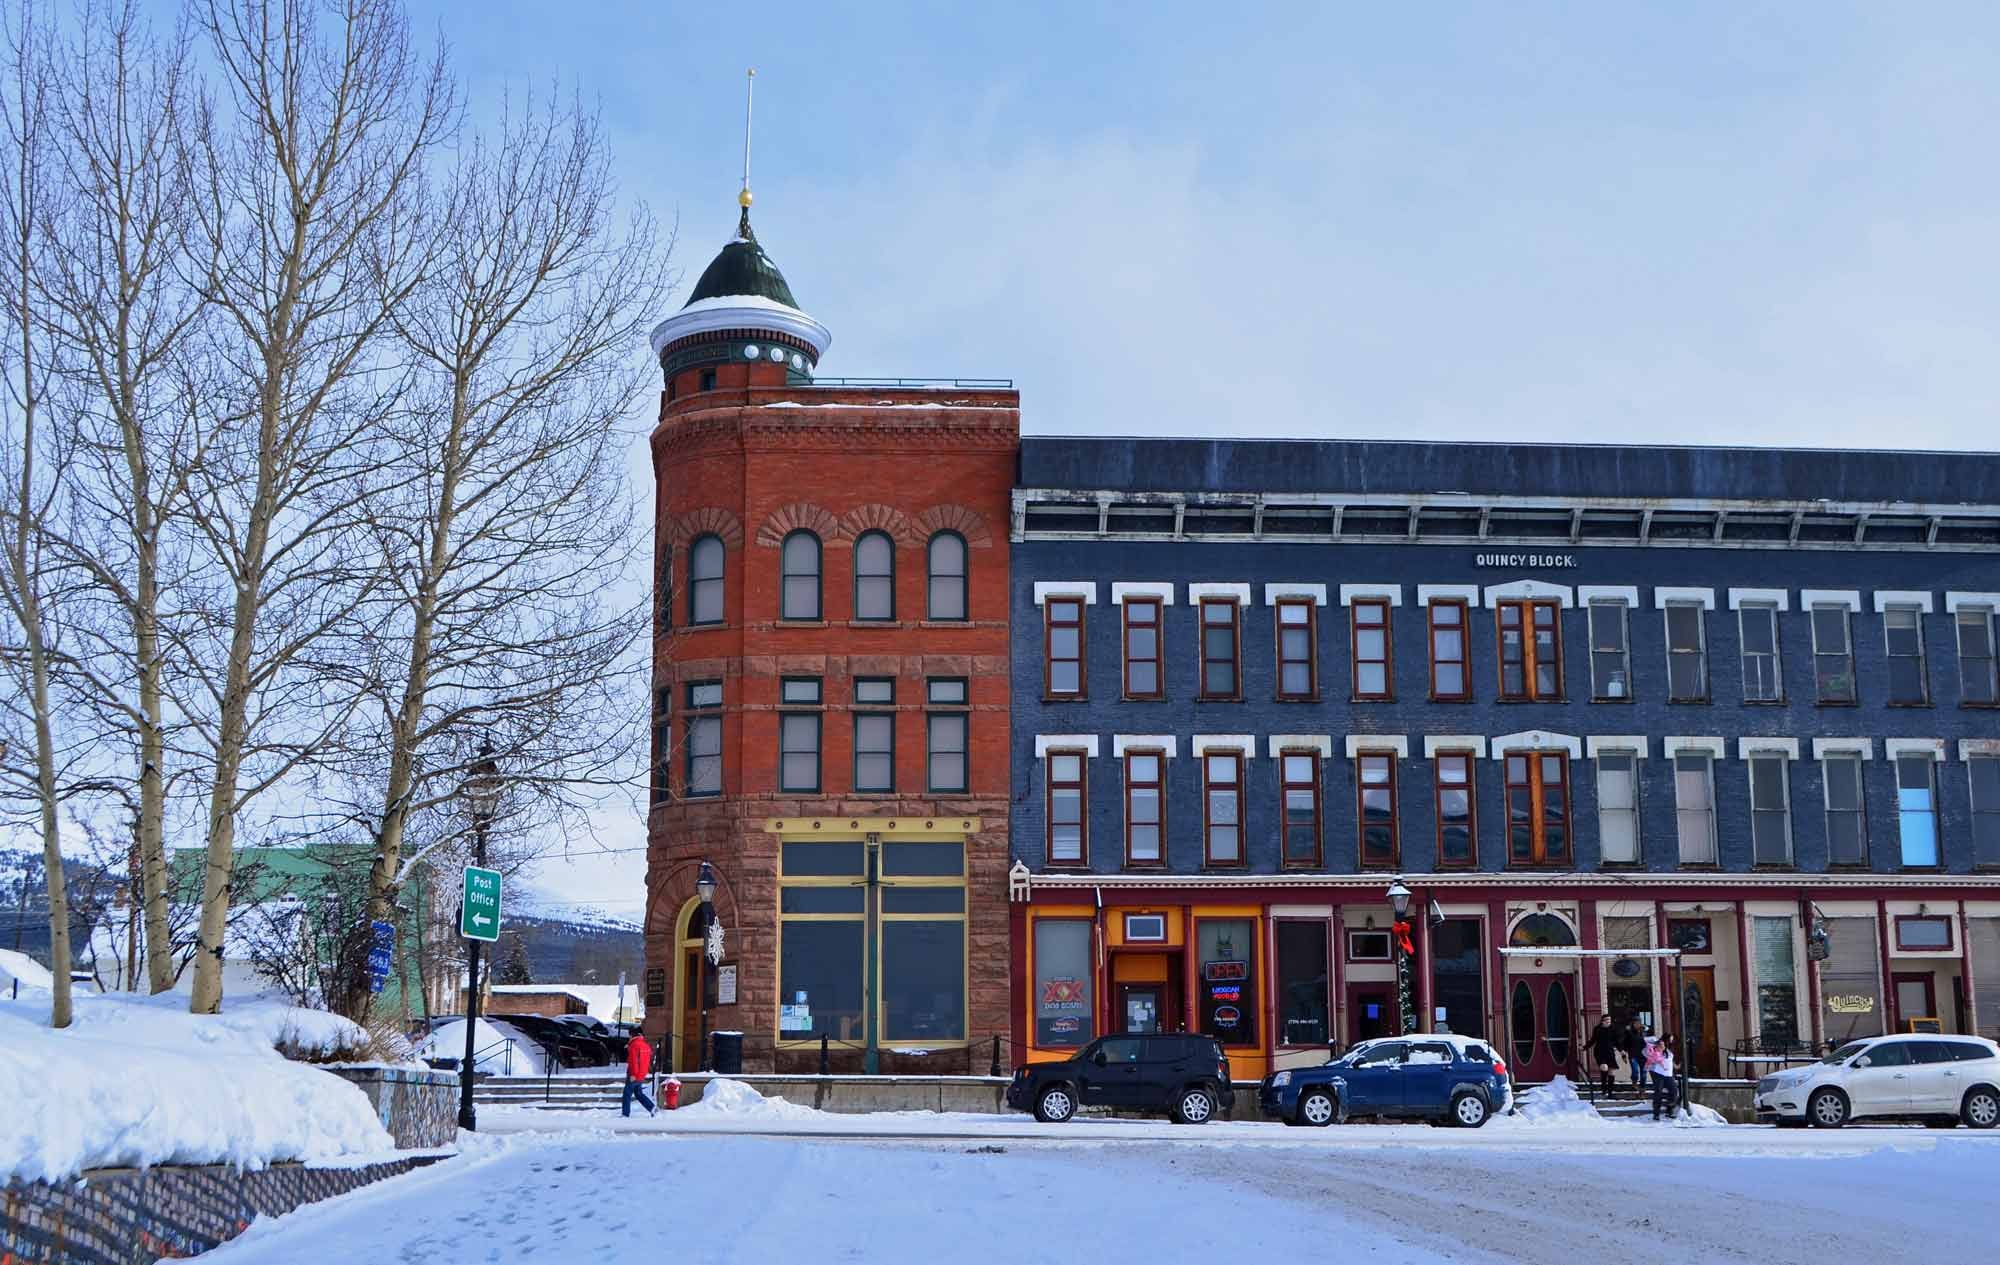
(750, 461)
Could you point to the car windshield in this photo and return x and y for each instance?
(1845, 1052)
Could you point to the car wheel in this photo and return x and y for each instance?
(1981, 1109)
(1469, 1111)
(1055, 1105)
(1316, 1109)
(1827, 1109)
(1194, 1106)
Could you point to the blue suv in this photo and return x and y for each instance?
(1441, 1077)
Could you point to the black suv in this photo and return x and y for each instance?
(1182, 1074)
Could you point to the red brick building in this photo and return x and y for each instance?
(830, 711)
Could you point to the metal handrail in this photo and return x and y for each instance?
(968, 384)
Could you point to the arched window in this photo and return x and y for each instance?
(705, 580)
(874, 576)
(947, 576)
(666, 589)
(801, 565)
(1542, 931)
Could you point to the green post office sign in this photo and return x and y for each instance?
(479, 908)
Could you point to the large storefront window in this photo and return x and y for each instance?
(1982, 937)
(1063, 1001)
(916, 922)
(1777, 981)
(1629, 981)
(1457, 978)
(1228, 979)
(1302, 959)
(1850, 980)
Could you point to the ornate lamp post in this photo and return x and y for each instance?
(704, 888)
(480, 793)
(1406, 1003)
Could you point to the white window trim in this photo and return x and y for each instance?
(1537, 740)
(1662, 597)
(1894, 748)
(1084, 589)
(1987, 601)
(1161, 592)
(1278, 744)
(1787, 747)
(1467, 593)
(1165, 745)
(1275, 593)
(1863, 747)
(1238, 593)
(1673, 746)
(1455, 744)
(1377, 744)
(1626, 593)
(1390, 593)
(1780, 598)
(1850, 598)
(1978, 748)
(1244, 744)
(1919, 598)
(1045, 743)
(1618, 744)
(1522, 590)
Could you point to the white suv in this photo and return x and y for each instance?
(1938, 1079)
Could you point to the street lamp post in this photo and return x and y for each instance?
(704, 889)
(1406, 1006)
(481, 795)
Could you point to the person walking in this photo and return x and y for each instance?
(1604, 1052)
(1634, 1043)
(638, 1066)
(1660, 1066)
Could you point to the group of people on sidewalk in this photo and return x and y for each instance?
(1650, 1059)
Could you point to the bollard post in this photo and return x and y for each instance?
(994, 1068)
(822, 1054)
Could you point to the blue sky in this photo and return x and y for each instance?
(1677, 224)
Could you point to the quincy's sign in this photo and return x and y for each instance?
(1515, 561)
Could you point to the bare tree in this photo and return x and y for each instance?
(33, 460)
(507, 525)
(308, 208)
(120, 309)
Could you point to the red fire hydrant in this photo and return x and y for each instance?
(672, 1093)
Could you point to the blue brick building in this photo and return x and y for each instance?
(1740, 702)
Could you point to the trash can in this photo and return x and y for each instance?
(728, 1052)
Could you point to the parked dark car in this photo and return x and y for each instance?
(1440, 1077)
(1182, 1074)
(573, 1048)
(614, 1042)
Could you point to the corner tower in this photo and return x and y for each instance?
(830, 702)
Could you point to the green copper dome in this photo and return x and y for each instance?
(743, 268)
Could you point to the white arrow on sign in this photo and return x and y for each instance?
(480, 920)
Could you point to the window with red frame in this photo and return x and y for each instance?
(1298, 773)
(1375, 777)
(1530, 650)
(1298, 663)
(1066, 820)
(1062, 645)
(1145, 807)
(1373, 678)
(1142, 648)
(1219, 623)
(1458, 830)
(1451, 676)
(1222, 808)
(1538, 808)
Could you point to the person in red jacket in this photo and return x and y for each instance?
(638, 1066)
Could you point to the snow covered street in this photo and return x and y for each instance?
(1404, 1194)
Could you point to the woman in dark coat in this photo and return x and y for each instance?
(1604, 1045)
(1634, 1045)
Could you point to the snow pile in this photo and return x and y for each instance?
(1697, 1116)
(737, 1101)
(498, 1048)
(138, 1081)
(1555, 1103)
(22, 969)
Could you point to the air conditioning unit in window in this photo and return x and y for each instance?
(1615, 687)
